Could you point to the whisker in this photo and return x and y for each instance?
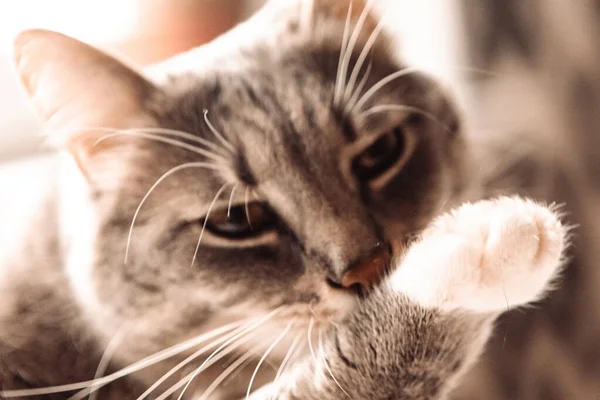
(506, 299)
(255, 194)
(155, 130)
(180, 134)
(504, 163)
(160, 139)
(159, 180)
(345, 37)
(210, 207)
(312, 350)
(362, 57)
(326, 364)
(507, 310)
(269, 350)
(242, 368)
(405, 108)
(442, 207)
(287, 357)
(137, 366)
(311, 309)
(246, 206)
(376, 87)
(310, 346)
(227, 343)
(215, 132)
(230, 199)
(359, 89)
(353, 40)
(182, 382)
(481, 71)
(333, 323)
(189, 359)
(105, 359)
(228, 371)
(176, 387)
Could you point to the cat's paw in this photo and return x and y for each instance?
(486, 256)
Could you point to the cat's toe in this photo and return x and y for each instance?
(521, 255)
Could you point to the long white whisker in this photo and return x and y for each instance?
(345, 37)
(105, 359)
(161, 179)
(504, 162)
(158, 138)
(189, 359)
(155, 130)
(312, 350)
(246, 207)
(222, 354)
(376, 87)
(215, 132)
(182, 364)
(219, 356)
(310, 346)
(253, 326)
(182, 135)
(228, 371)
(362, 57)
(405, 108)
(326, 364)
(176, 386)
(287, 357)
(262, 359)
(358, 90)
(230, 199)
(210, 207)
(352, 42)
(137, 366)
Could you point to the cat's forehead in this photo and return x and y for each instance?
(264, 89)
(261, 94)
(272, 115)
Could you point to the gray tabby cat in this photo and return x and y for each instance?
(246, 204)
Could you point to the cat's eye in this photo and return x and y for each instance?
(380, 156)
(242, 221)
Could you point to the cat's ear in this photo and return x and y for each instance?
(75, 87)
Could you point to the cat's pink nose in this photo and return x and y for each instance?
(368, 270)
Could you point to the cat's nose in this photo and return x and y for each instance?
(368, 269)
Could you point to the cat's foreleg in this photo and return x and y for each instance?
(414, 336)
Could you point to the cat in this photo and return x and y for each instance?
(251, 194)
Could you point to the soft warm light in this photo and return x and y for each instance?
(97, 21)
(427, 32)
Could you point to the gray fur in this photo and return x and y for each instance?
(271, 99)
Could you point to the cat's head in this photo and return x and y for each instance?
(296, 147)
